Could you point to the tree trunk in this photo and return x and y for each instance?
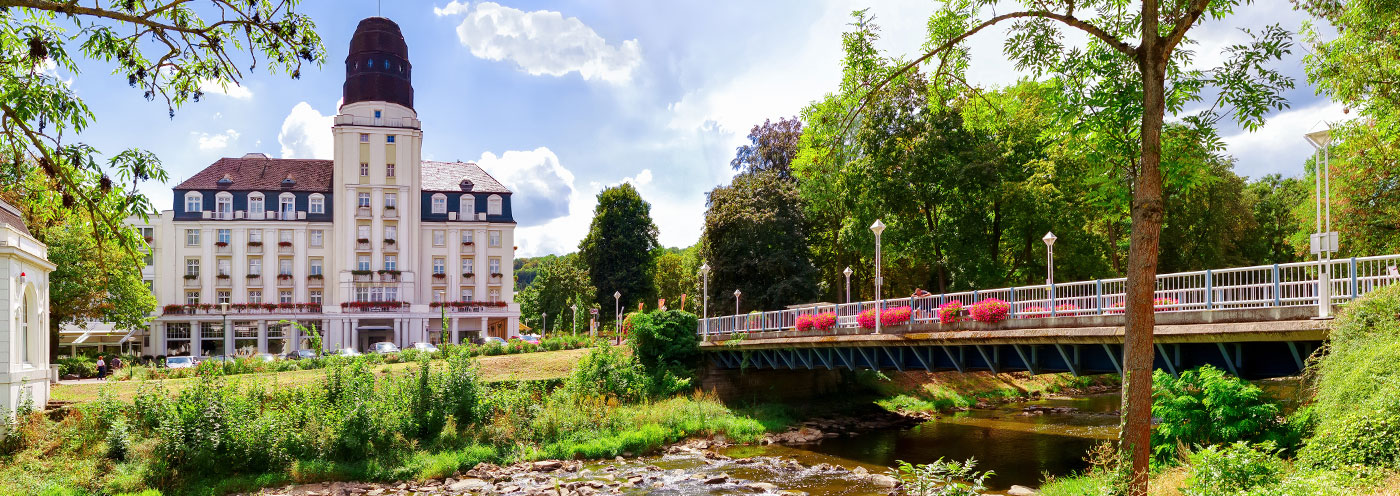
(1146, 211)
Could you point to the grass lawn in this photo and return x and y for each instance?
(525, 366)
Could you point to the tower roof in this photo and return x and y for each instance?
(377, 67)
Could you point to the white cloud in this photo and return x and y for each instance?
(306, 133)
(213, 87)
(543, 188)
(215, 141)
(1278, 146)
(543, 42)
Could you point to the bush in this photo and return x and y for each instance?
(950, 312)
(608, 372)
(1205, 406)
(1236, 468)
(940, 478)
(1358, 387)
(990, 310)
(665, 341)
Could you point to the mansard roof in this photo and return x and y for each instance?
(448, 177)
(257, 172)
(11, 216)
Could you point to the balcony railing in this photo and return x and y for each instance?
(362, 244)
(389, 275)
(373, 306)
(470, 306)
(255, 280)
(192, 282)
(243, 309)
(391, 246)
(223, 281)
(222, 247)
(315, 281)
(363, 213)
(284, 280)
(285, 247)
(1263, 286)
(439, 279)
(391, 213)
(255, 247)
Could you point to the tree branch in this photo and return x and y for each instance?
(1193, 13)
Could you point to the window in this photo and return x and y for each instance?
(467, 236)
(318, 204)
(24, 331)
(284, 266)
(493, 205)
(494, 237)
(318, 237)
(315, 297)
(284, 235)
(223, 206)
(255, 266)
(288, 206)
(224, 266)
(439, 266)
(439, 203)
(438, 238)
(391, 293)
(255, 206)
(191, 297)
(466, 207)
(389, 170)
(255, 236)
(222, 297)
(378, 114)
(364, 138)
(494, 265)
(391, 200)
(191, 237)
(495, 295)
(376, 293)
(362, 200)
(391, 262)
(192, 266)
(150, 259)
(389, 139)
(222, 236)
(468, 266)
(148, 233)
(364, 169)
(391, 232)
(194, 202)
(255, 296)
(284, 296)
(361, 293)
(362, 263)
(362, 231)
(468, 294)
(316, 266)
(437, 297)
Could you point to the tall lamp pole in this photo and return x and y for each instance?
(878, 228)
(1049, 240)
(705, 298)
(736, 309)
(1325, 241)
(544, 323)
(848, 273)
(223, 307)
(573, 327)
(617, 313)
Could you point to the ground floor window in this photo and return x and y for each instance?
(177, 339)
(245, 338)
(277, 338)
(211, 339)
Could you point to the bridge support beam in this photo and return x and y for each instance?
(1229, 362)
(957, 363)
(1072, 364)
(991, 360)
(1297, 357)
(1167, 359)
(1112, 358)
(1030, 363)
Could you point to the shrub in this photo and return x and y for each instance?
(608, 372)
(950, 312)
(1233, 469)
(1205, 406)
(990, 310)
(665, 341)
(940, 478)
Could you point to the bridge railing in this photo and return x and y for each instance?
(1262, 286)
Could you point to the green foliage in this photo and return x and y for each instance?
(755, 241)
(90, 282)
(618, 248)
(940, 478)
(666, 345)
(608, 371)
(1233, 469)
(560, 283)
(1357, 401)
(677, 274)
(1206, 406)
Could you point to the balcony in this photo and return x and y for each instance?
(221, 247)
(471, 306)
(315, 281)
(285, 248)
(192, 280)
(362, 244)
(496, 278)
(362, 275)
(284, 280)
(356, 120)
(223, 281)
(391, 246)
(389, 275)
(391, 213)
(243, 309)
(363, 213)
(373, 306)
(439, 279)
(468, 246)
(255, 247)
(468, 277)
(254, 280)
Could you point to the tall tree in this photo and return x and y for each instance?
(93, 284)
(559, 284)
(772, 146)
(1118, 86)
(676, 275)
(1271, 201)
(755, 241)
(618, 248)
(165, 50)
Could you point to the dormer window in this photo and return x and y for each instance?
(466, 207)
(493, 205)
(289, 182)
(378, 114)
(194, 202)
(255, 205)
(225, 181)
(223, 205)
(439, 203)
(287, 206)
(466, 185)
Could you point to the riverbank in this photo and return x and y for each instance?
(923, 393)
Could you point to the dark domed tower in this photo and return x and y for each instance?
(377, 68)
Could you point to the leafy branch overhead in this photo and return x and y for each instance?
(169, 50)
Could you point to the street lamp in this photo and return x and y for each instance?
(573, 327)
(848, 273)
(705, 298)
(223, 308)
(1049, 240)
(544, 323)
(442, 323)
(878, 228)
(617, 312)
(1324, 242)
(736, 309)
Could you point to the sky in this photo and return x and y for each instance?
(560, 99)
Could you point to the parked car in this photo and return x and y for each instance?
(265, 357)
(493, 340)
(349, 352)
(425, 347)
(530, 338)
(384, 348)
(179, 362)
(300, 354)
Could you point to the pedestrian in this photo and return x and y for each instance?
(116, 363)
(101, 368)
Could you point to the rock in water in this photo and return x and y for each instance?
(884, 481)
(1021, 491)
(465, 485)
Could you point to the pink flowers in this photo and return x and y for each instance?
(1164, 303)
(990, 310)
(950, 312)
(889, 317)
(821, 322)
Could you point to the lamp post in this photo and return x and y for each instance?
(617, 313)
(736, 309)
(705, 297)
(223, 308)
(573, 327)
(1049, 240)
(878, 228)
(442, 323)
(848, 273)
(544, 323)
(1324, 242)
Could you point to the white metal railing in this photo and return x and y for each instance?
(1262, 286)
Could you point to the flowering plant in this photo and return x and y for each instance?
(990, 310)
(1066, 307)
(889, 317)
(255, 243)
(1164, 302)
(284, 243)
(950, 311)
(221, 244)
(821, 321)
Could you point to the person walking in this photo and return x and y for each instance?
(101, 368)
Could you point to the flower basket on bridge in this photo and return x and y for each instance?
(990, 310)
(821, 321)
(950, 312)
(889, 317)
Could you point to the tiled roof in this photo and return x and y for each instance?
(448, 176)
(256, 172)
(10, 215)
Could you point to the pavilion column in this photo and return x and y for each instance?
(513, 327)
(262, 336)
(456, 336)
(196, 339)
(228, 337)
(482, 333)
(355, 335)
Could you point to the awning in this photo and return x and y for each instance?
(374, 328)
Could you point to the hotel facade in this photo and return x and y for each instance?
(374, 245)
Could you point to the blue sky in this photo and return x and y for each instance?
(559, 99)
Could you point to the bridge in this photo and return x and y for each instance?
(1255, 322)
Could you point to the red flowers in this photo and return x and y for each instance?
(889, 317)
(950, 312)
(821, 321)
(990, 310)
